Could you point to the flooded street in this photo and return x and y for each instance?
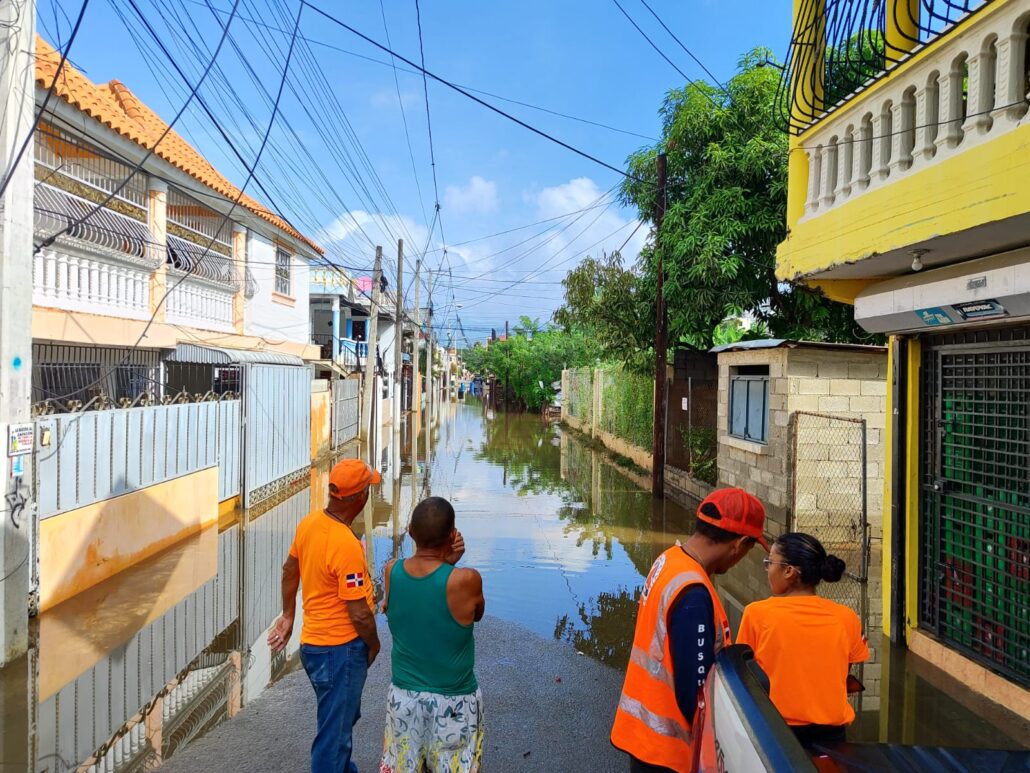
(132, 670)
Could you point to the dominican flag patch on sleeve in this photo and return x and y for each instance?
(356, 580)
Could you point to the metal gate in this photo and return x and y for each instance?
(974, 534)
(277, 448)
(830, 500)
(346, 409)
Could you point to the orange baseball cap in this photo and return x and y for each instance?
(351, 476)
(736, 511)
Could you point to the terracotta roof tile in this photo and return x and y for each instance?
(115, 106)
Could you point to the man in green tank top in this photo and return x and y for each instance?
(434, 711)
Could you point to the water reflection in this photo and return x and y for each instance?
(130, 671)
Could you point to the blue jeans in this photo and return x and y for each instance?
(338, 676)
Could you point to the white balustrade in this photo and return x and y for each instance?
(198, 303)
(90, 284)
(968, 89)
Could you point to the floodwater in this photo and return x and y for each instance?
(134, 669)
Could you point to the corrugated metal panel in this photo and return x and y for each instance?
(103, 454)
(346, 408)
(277, 402)
(215, 355)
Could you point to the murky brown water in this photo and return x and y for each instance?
(137, 667)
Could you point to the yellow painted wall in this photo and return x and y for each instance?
(911, 515)
(321, 424)
(887, 528)
(77, 634)
(987, 183)
(83, 547)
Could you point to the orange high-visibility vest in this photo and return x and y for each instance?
(648, 723)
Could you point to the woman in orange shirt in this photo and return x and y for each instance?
(804, 643)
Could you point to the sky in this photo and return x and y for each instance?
(348, 158)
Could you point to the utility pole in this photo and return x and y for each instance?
(661, 343)
(17, 119)
(430, 396)
(507, 364)
(370, 359)
(398, 354)
(416, 389)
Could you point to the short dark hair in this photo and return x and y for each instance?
(715, 534)
(432, 522)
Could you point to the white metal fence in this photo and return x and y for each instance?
(87, 457)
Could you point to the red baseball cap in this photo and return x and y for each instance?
(351, 476)
(735, 510)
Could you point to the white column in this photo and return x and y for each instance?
(829, 169)
(981, 93)
(863, 154)
(1009, 86)
(845, 151)
(815, 179)
(927, 106)
(950, 134)
(880, 169)
(901, 159)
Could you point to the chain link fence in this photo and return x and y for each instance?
(829, 485)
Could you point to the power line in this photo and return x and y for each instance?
(474, 98)
(687, 50)
(150, 151)
(226, 218)
(9, 174)
(393, 64)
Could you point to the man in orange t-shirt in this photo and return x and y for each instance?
(338, 640)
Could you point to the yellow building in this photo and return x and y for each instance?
(910, 198)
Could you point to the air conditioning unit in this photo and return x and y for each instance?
(993, 288)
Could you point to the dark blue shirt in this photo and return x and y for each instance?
(691, 621)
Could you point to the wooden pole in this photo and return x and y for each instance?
(661, 343)
(398, 347)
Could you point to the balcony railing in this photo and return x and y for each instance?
(70, 159)
(840, 47)
(971, 89)
(352, 353)
(198, 303)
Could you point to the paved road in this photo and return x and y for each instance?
(547, 709)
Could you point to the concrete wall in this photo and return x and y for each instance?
(321, 419)
(849, 385)
(269, 314)
(80, 548)
(844, 383)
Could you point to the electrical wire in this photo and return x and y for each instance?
(474, 98)
(9, 173)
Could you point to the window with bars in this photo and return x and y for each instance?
(749, 402)
(283, 261)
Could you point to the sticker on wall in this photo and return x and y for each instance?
(980, 309)
(934, 317)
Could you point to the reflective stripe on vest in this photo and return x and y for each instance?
(661, 725)
(656, 648)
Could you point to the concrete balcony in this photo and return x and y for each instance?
(932, 159)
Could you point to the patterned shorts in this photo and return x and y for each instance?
(443, 732)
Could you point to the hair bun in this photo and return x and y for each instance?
(833, 569)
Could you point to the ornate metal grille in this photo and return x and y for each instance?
(201, 223)
(56, 210)
(68, 156)
(975, 501)
(191, 258)
(854, 48)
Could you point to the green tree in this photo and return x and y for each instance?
(531, 361)
(725, 216)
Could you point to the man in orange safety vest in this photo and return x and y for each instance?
(681, 626)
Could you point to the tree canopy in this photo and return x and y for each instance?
(725, 216)
(531, 359)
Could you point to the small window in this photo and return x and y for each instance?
(749, 402)
(282, 271)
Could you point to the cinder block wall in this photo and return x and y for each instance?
(849, 384)
(759, 468)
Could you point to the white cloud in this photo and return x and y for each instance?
(348, 236)
(478, 197)
(387, 99)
